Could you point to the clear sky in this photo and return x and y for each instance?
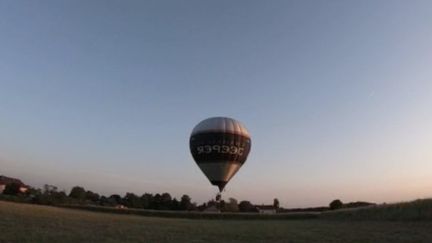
(337, 96)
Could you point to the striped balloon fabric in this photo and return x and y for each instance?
(220, 146)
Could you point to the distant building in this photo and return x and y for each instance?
(120, 206)
(4, 181)
(266, 209)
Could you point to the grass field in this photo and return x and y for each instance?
(34, 223)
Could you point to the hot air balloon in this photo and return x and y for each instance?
(220, 146)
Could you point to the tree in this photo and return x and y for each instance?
(59, 197)
(78, 192)
(175, 204)
(49, 196)
(49, 188)
(114, 199)
(132, 201)
(276, 203)
(103, 201)
(91, 196)
(165, 201)
(156, 202)
(246, 206)
(33, 192)
(146, 200)
(193, 207)
(221, 205)
(12, 189)
(231, 206)
(336, 204)
(185, 203)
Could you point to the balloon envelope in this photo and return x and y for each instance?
(220, 146)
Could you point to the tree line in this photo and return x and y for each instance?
(50, 195)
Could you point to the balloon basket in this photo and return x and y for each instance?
(218, 197)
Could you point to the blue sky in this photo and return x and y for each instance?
(337, 96)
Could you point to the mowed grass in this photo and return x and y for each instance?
(34, 223)
(418, 210)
